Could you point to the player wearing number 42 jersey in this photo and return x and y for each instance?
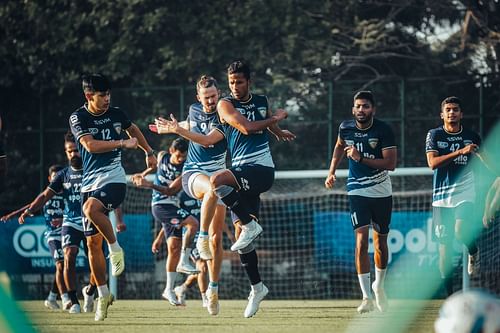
(369, 145)
(449, 149)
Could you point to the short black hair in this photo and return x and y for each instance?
(55, 168)
(206, 81)
(452, 100)
(69, 137)
(365, 94)
(239, 66)
(95, 82)
(180, 144)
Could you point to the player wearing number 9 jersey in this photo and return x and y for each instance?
(369, 145)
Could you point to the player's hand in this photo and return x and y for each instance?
(120, 226)
(280, 114)
(330, 181)
(352, 153)
(23, 216)
(140, 181)
(164, 126)
(155, 248)
(286, 135)
(472, 148)
(7, 217)
(130, 143)
(56, 223)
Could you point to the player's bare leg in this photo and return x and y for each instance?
(95, 212)
(362, 261)
(174, 252)
(98, 267)
(465, 233)
(214, 265)
(446, 266)
(381, 258)
(202, 189)
(70, 253)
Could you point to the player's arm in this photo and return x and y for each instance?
(434, 160)
(172, 189)
(7, 217)
(338, 154)
(100, 146)
(155, 247)
(164, 126)
(36, 204)
(230, 115)
(134, 132)
(279, 133)
(387, 162)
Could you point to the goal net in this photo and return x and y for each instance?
(307, 248)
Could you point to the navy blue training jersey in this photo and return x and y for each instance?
(453, 183)
(100, 169)
(189, 205)
(370, 142)
(166, 173)
(68, 183)
(252, 148)
(200, 158)
(53, 209)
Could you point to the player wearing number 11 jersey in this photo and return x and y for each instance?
(369, 145)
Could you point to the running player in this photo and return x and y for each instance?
(53, 215)
(246, 117)
(97, 127)
(449, 149)
(165, 209)
(369, 145)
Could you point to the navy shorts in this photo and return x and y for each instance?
(72, 237)
(444, 219)
(252, 202)
(253, 179)
(170, 218)
(367, 211)
(110, 195)
(56, 250)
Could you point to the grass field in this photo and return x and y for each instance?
(274, 316)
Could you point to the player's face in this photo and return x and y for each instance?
(239, 86)
(177, 157)
(363, 111)
(208, 97)
(72, 154)
(451, 113)
(99, 100)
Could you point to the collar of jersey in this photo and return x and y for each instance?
(93, 114)
(364, 129)
(244, 102)
(453, 133)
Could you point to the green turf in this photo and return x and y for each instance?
(274, 316)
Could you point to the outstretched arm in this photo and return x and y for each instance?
(36, 204)
(7, 217)
(134, 132)
(338, 154)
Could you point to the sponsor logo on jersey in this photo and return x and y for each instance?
(454, 138)
(93, 130)
(373, 142)
(102, 121)
(442, 144)
(360, 135)
(118, 127)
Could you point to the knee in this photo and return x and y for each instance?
(174, 250)
(87, 209)
(70, 254)
(216, 239)
(93, 244)
(362, 246)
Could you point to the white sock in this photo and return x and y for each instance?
(171, 277)
(257, 287)
(364, 283)
(52, 296)
(103, 290)
(114, 247)
(65, 298)
(380, 277)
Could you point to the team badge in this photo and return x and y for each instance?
(373, 142)
(118, 127)
(174, 221)
(263, 112)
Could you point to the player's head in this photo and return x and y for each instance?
(451, 110)
(178, 151)
(97, 90)
(363, 108)
(72, 153)
(472, 311)
(53, 170)
(207, 93)
(238, 76)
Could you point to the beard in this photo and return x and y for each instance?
(76, 162)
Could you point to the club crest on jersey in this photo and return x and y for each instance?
(263, 112)
(118, 127)
(373, 142)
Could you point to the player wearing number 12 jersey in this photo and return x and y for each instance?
(369, 145)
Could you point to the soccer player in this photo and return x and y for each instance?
(202, 161)
(449, 149)
(369, 145)
(166, 210)
(246, 117)
(53, 215)
(97, 127)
